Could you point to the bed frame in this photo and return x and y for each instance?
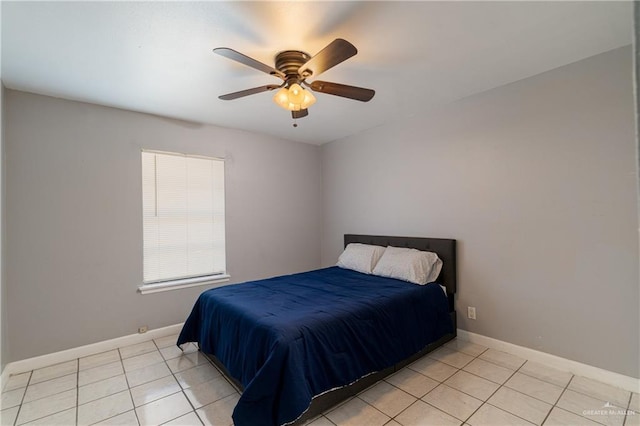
(446, 250)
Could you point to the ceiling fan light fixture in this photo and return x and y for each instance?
(293, 67)
(294, 98)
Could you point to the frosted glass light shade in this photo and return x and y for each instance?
(294, 98)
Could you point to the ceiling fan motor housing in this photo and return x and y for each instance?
(289, 61)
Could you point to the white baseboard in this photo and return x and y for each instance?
(574, 367)
(3, 378)
(29, 364)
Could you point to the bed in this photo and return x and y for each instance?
(297, 344)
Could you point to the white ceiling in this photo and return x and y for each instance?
(156, 57)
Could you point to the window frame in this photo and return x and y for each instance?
(216, 279)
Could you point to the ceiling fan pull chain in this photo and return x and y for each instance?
(295, 124)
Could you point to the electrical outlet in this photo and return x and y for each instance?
(143, 329)
(471, 312)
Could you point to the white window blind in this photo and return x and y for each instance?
(183, 216)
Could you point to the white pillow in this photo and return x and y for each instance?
(418, 267)
(360, 257)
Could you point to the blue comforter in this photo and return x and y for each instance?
(289, 338)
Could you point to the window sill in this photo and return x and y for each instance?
(181, 284)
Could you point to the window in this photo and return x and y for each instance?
(183, 221)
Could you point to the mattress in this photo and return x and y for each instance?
(289, 338)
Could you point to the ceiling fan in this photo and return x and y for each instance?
(294, 67)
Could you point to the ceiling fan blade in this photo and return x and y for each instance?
(242, 93)
(337, 51)
(245, 60)
(299, 114)
(351, 92)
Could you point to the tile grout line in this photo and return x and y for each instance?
(372, 406)
(332, 423)
(323, 415)
(182, 390)
(439, 382)
(126, 379)
(15, 421)
(210, 363)
(36, 384)
(174, 378)
(531, 396)
(417, 398)
(173, 374)
(566, 388)
(494, 392)
(584, 394)
(376, 408)
(545, 381)
(626, 414)
(47, 415)
(538, 378)
(461, 369)
(164, 361)
(128, 389)
(593, 396)
(77, 390)
(554, 405)
(221, 374)
(502, 385)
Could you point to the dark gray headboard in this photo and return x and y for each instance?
(444, 248)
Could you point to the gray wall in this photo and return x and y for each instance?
(4, 347)
(537, 181)
(3, 322)
(74, 226)
(636, 52)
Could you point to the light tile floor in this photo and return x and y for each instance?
(154, 383)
